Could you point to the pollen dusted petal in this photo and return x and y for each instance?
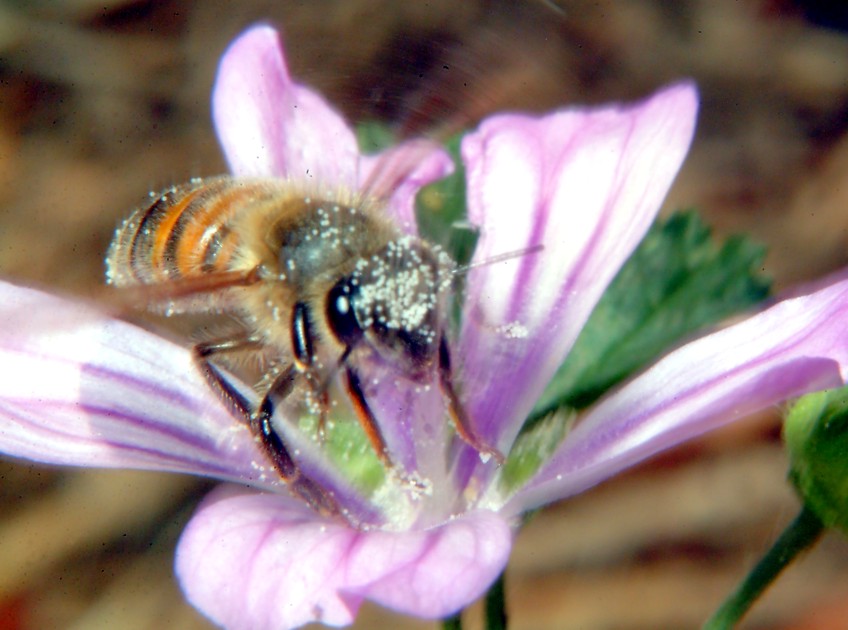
(795, 347)
(270, 125)
(252, 560)
(584, 184)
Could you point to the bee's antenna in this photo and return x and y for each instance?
(518, 253)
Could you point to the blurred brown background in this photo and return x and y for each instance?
(101, 101)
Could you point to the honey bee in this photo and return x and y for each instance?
(322, 283)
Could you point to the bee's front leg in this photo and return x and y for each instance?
(302, 345)
(460, 419)
(366, 417)
(304, 358)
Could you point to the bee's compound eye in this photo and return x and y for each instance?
(340, 313)
(342, 304)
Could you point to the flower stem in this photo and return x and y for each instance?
(496, 605)
(797, 537)
(453, 623)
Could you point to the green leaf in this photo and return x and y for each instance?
(373, 136)
(678, 281)
(441, 211)
(440, 206)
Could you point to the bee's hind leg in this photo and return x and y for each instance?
(259, 419)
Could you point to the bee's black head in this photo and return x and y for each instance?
(393, 303)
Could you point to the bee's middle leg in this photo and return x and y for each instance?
(302, 335)
(202, 353)
(259, 418)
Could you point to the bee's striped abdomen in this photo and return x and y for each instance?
(185, 233)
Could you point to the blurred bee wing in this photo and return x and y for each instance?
(182, 295)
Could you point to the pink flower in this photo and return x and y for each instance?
(80, 388)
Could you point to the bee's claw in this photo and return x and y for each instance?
(488, 452)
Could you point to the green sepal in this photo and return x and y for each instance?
(347, 446)
(816, 436)
(533, 447)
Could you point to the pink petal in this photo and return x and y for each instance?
(584, 184)
(270, 125)
(82, 389)
(254, 561)
(398, 173)
(793, 348)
